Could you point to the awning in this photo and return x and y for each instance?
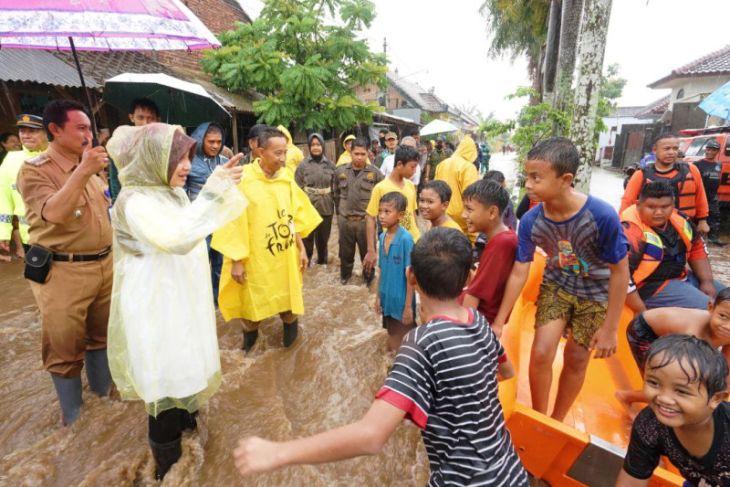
(37, 66)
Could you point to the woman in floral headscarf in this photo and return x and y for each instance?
(163, 346)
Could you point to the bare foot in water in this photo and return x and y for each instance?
(628, 400)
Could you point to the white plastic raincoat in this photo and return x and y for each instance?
(162, 342)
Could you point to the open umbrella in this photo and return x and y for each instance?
(718, 102)
(438, 127)
(182, 102)
(101, 25)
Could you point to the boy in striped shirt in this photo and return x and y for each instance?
(444, 380)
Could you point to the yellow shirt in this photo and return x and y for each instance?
(409, 191)
(449, 223)
(264, 238)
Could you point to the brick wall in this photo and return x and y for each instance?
(217, 15)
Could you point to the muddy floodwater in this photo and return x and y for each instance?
(326, 379)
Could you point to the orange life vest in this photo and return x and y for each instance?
(684, 184)
(653, 250)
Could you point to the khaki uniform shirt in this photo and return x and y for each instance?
(352, 192)
(316, 179)
(88, 229)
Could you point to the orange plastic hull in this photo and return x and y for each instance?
(548, 448)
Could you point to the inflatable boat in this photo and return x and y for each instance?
(589, 446)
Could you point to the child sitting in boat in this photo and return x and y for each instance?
(457, 349)
(687, 420)
(712, 325)
(586, 273)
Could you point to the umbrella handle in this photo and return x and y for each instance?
(94, 130)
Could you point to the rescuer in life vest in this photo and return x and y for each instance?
(684, 178)
(663, 242)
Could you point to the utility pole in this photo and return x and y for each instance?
(385, 47)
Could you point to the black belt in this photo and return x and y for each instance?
(82, 257)
(355, 218)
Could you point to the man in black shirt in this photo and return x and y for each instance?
(710, 168)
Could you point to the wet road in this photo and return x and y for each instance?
(326, 379)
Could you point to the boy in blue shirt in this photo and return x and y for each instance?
(586, 273)
(395, 296)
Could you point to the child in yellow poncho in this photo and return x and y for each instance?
(263, 249)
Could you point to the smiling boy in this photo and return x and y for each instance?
(687, 419)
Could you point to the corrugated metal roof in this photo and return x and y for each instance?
(39, 67)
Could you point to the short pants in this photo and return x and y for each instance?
(640, 337)
(582, 316)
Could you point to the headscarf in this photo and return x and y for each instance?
(148, 155)
(317, 136)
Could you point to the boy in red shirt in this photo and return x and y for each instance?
(484, 204)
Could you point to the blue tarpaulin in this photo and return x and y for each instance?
(718, 103)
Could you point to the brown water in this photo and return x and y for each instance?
(328, 378)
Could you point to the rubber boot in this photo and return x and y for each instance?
(97, 371)
(68, 390)
(189, 422)
(249, 340)
(291, 330)
(165, 455)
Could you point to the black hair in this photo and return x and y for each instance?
(440, 188)
(665, 135)
(57, 112)
(253, 132)
(144, 103)
(411, 132)
(560, 152)
(399, 201)
(6, 135)
(488, 193)
(359, 142)
(405, 154)
(215, 127)
(722, 296)
(267, 133)
(698, 360)
(382, 131)
(494, 175)
(656, 189)
(441, 261)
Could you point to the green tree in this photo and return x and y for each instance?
(519, 27)
(305, 58)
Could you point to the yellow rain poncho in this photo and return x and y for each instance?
(346, 157)
(458, 171)
(11, 203)
(162, 342)
(294, 155)
(263, 237)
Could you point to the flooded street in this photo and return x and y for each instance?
(328, 378)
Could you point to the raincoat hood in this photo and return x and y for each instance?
(142, 154)
(467, 149)
(294, 154)
(349, 137)
(199, 134)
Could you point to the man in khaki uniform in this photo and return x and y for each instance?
(354, 183)
(69, 225)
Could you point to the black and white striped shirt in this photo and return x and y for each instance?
(445, 379)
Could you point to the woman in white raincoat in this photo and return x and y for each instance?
(162, 345)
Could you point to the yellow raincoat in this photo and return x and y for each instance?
(458, 171)
(11, 203)
(263, 237)
(294, 155)
(162, 343)
(346, 157)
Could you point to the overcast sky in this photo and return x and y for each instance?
(443, 44)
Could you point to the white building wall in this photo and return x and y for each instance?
(695, 88)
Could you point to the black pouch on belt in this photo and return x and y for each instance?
(37, 264)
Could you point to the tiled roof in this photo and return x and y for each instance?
(717, 62)
(101, 66)
(621, 112)
(654, 109)
(418, 96)
(39, 67)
